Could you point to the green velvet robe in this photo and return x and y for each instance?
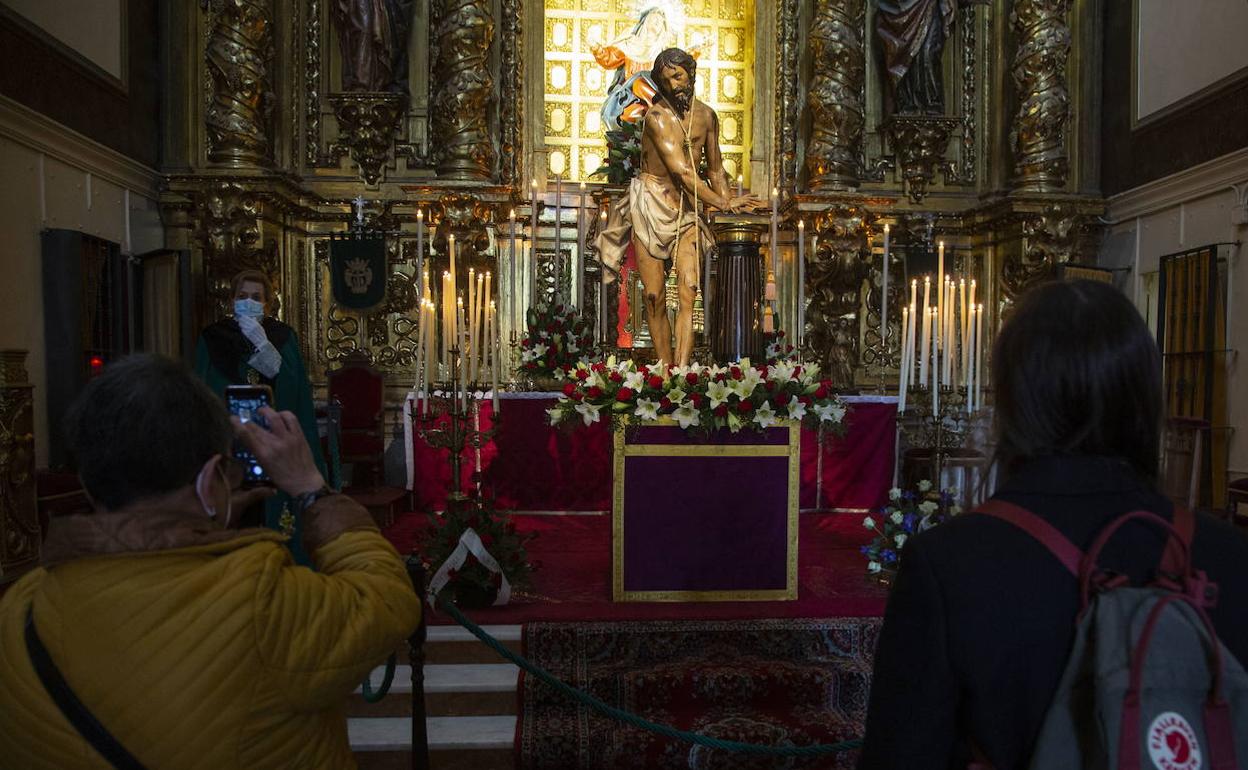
(221, 359)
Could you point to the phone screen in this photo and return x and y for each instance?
(244, 401)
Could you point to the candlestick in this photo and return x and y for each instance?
(884, 299)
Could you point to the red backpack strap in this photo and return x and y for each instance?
(1058, 544)
(1174, 558)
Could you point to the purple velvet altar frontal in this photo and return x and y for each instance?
(707, 519)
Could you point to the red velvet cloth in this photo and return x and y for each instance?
(531, 466)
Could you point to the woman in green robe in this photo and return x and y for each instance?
(252, 348)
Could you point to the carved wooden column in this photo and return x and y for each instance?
(239, 59)
(1039, 72)
(835, 98)
(19, 519)
(834, 282)
(462, 32)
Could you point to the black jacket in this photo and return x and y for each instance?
(982, 617)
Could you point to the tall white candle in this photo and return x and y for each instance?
(800, 320)
(470, 355)
(901, 381)
(740, 185)
(420, 249)
(914, 321)
(925, 338)
(450, 245)
(980, 344)
(605, 325)
(558, 237)
(486, 301)
(511, 275)
(775, 232)
(935, 367)
(578, 280)
(494, 354)
(884, 297)
(532, 246)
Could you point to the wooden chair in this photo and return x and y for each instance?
(1181, 450)
(359, 390)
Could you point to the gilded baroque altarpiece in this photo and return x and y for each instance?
(269, 154)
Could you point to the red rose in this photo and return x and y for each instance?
(822, 392)
(719, 377)
(525, 342)
(645, 370)
(577, 396)
(624, 394)
(655, 381)
(594, 392)
(615, 377)
(807, 400)
(691, 378)
(598, 366)
(745, 407)
(782, 398)
(569, 388)
(736, 373)
(696, 400)
(582, 374)
(721, 410)
(665, 404)
(780, 334)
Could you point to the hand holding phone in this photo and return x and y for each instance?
(245, 402)
(282, 450)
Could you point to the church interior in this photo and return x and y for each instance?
(646, 332)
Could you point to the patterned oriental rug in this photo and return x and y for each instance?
(783, 682)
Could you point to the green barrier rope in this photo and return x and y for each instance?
(633, 719)
(386, 680)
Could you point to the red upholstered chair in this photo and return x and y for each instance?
(360, 391)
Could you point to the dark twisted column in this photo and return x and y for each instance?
(19, 522)
(239, 58)
(463, 95)
(834, 152)
(1039, 73)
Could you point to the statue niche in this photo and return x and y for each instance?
(912, 35)
(373, 37)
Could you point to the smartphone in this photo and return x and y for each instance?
(244, 402)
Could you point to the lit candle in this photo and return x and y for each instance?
(979, 356)
(884, 298)
(914, 322)
(970, 330)
(420, 248)
(487, 301)
(532, 248)
(901, 381)
(940, 291)
(935, 368)
(579, 283)
(474, 287)
(801, 283)
(448, 322)
(494, 355)
(925, 338)
(558, 237)
(511, 274)
(604, 326)
(775, 231)
(962, 330)
(450, 241)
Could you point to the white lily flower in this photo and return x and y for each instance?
(588, 412)
(647, 409)
(686, 416)
(676, 395)
(782, 372)
(873, 567)
(572, 348)
(718, 392)
(928, 507)
(543, 334)
(900, 540)
(681, 371)
(634, 381)
(869, 523)
(894, 494)
(539, 350)
(797, 410)
(897, 517)
(826, 412)
(925, 486)
(594, 380)
(556, 415)
(765, 417)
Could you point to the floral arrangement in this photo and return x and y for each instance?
(556, 338)
(623, 154)
(698, 397)
(908, 513)
(473, 585)
(777, 349)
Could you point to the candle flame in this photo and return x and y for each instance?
(420, 213)
(801, 224)
(513, 213)
(451, 237)
(886, 227)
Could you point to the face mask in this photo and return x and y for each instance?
(248, 308)
(201, 491)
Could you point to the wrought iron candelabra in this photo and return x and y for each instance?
(461, 430)
(941, 428)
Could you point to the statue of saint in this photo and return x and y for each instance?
(632, 90)
(661, 213)
(913, 34)
(373, 37)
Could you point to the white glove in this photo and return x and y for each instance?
(252, 330)
(267, 360)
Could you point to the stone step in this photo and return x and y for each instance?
(472, 689)
(455, 743)
(455, 644)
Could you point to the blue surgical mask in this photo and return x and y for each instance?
(248, 308)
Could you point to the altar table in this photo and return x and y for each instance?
(530, 466)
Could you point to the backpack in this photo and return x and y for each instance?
(1147, 684)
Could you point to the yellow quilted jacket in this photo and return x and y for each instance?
(199, 647)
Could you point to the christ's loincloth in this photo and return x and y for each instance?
(659, 225)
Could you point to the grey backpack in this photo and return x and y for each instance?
(1147, 684)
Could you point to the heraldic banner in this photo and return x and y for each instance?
(358, 270)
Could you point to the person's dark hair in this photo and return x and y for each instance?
(675, 57)
(1075, 371)
(254, 276)
(144, 427)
